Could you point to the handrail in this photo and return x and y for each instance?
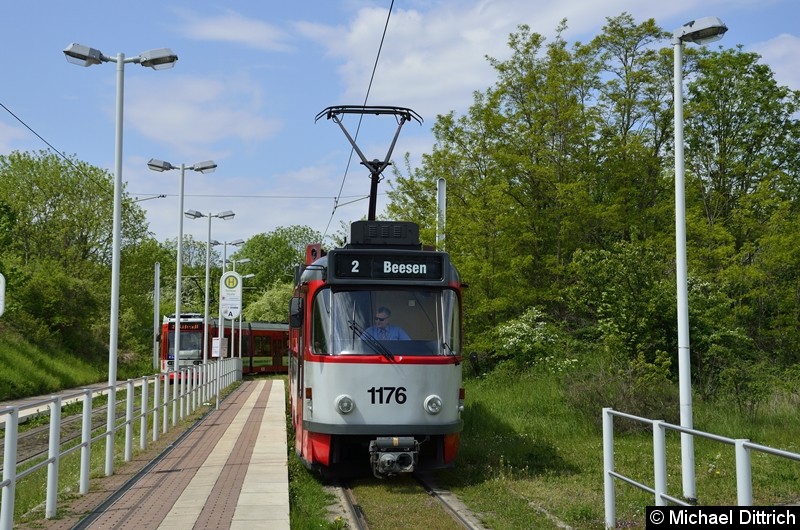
(197, 386)
(742, 447)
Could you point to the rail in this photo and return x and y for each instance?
(742, 448)
(198, 385)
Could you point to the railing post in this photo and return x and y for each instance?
(217, 373)
(129, 398)
(203, 383)
(86, 441)
(9, 470)
(145, 413)
(660, 461)
(192, 391)
(53, 453)
(744, 479)
(156, 405)
(608, 468)
(175, 386)
(166, 401)
(184, 375)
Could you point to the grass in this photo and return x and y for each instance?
(409, 503)
(547, 460)
(528, 460)
(26, 370)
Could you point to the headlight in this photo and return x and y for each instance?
(345, 404)
(433, 404)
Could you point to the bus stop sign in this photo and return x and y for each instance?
(230, 295)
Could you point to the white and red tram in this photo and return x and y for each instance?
(262, 346)
(357, 399)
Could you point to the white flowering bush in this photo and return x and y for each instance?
(530, 340)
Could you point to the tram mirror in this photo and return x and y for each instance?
(296, 312)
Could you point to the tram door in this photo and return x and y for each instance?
(261, 360)
(280, 355)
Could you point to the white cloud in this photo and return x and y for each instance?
(192, 113)
(8, 135)
(783, 55)
(234, 28)
(433, 60)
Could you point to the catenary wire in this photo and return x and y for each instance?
(360, 119)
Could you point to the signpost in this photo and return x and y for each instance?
(2, 294)
(230, 306)
(230, 295)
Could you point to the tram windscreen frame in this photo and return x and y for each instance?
(341, 319)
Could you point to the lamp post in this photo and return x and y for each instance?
(236, 243)
(194, 214)
(233, 322)
(244, 277)
(158, 59)
(700, 31)
(203, 167)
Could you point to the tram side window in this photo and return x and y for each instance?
(262, 346)
(320, 322)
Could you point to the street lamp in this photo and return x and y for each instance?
(233, 322)
(194, 214)
(236, 243)
(203, 167)
(700, 31)
(235, 261)
(244, 277)
(158, 59)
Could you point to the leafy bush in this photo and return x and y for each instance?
(527, 339)
(639, 387)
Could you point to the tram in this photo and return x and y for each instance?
(262, 346)
(362, 398)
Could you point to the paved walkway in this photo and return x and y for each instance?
(229, 472)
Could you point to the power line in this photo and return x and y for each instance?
(360, 119)
(59, 153)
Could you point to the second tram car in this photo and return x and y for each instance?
(262, 346)
(361, 400)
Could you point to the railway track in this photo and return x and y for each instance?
(448, 513)
(33, 443)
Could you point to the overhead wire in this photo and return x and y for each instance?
(336, 199)
(59, 153)
(360, 119)
(136, 197)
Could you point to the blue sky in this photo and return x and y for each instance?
(251, 77)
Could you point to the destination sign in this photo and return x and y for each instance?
(388, 266)
(186, 326)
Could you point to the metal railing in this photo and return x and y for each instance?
(742, 448)
(193, 387)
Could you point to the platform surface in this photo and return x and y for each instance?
(229, 471)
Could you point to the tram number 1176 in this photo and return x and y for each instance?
(383, 395)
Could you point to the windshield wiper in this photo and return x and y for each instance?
(450, 352)
(370, 340)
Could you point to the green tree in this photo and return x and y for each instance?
(272, 304)
(62, 211)
(742, 162)
(56, 214)
(273, 255)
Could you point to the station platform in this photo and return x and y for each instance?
(228, 471)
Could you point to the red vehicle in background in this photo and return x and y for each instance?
(262, 346)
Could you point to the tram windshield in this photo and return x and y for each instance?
(191, 345)
(386, 322)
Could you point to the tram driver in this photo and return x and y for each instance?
(382, 329)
